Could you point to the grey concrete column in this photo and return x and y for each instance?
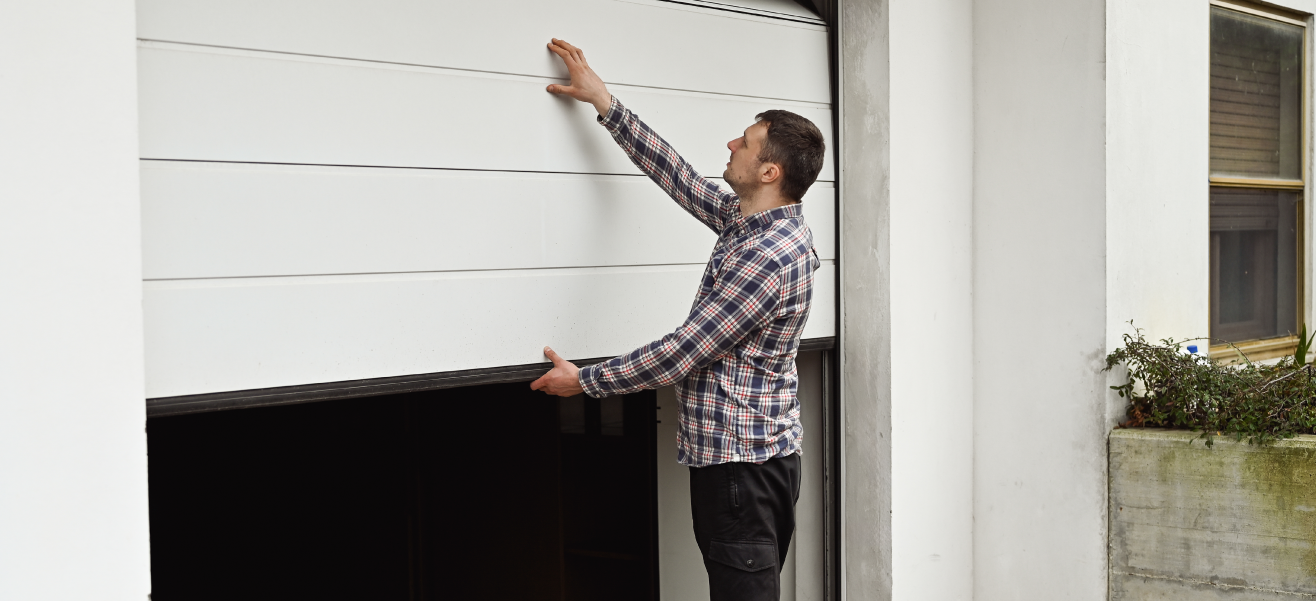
(864, 182)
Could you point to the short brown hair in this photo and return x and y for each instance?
(795, 144)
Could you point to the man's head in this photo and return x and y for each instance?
(781, 149)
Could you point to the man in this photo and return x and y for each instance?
(733, 360)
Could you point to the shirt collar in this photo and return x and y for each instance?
(760, 221)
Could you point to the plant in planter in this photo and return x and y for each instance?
(1167, 388)
(1223, 521)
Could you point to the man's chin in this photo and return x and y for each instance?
(726, 177)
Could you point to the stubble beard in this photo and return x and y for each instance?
(742, 189)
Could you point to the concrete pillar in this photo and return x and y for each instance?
(906, 142)
(865, 353)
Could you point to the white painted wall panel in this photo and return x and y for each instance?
(931, 300)
(681, 574)
(74, 518)
(203, 220)
(1157, 152)
(1039, 291)
(628, 42)
(808, 546)
(235, 334)
(226, 105)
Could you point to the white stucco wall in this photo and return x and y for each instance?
(73, 497)
(1039, 300)
(931, 299)
(1157, 214)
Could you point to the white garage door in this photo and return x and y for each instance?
(362, 189)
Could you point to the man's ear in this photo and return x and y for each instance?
(769, 172)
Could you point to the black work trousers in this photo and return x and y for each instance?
(744, 516)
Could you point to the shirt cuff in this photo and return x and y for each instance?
(614, 118)
(589, 381)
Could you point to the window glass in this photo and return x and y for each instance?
(1254, 242)
(1256, 96)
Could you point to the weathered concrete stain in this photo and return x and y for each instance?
(1235, 518)
(1286, 476)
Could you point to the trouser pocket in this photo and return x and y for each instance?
(744, 570)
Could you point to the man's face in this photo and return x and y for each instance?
(742, 172)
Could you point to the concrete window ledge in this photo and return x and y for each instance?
(1235, 521)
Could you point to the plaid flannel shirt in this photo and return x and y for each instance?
(733, 360)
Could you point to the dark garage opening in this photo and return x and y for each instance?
(486, 492)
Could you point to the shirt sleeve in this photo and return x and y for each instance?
(698, 195)
(744, 299)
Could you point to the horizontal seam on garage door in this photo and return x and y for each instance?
(254, 52)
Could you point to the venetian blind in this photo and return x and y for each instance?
(1256, 96)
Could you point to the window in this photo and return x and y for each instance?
(1257, 174)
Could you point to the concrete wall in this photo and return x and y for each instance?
(932, 299)
(1232, 521)
(1039, 334)
(73, 497)
(863, 182)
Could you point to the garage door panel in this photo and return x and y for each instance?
(628, 42)
(222, 105)
(206, 220)
(219, 335)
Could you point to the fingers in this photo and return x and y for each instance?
(553, 356)
(546, 384)
(574, 50)
(565, 50)
(561, 89)
(561, 49)
(563, 53)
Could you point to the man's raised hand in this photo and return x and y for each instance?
(562, 380)
(586, 86)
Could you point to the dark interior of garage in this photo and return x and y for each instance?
(485, 492)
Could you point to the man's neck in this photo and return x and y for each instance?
(763, 201)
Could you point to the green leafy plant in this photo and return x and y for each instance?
(1304, 345)
(1168, 388)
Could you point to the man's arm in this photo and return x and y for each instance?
(744, 299)
(699, 196)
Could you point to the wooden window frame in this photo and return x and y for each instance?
(1280, 346)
